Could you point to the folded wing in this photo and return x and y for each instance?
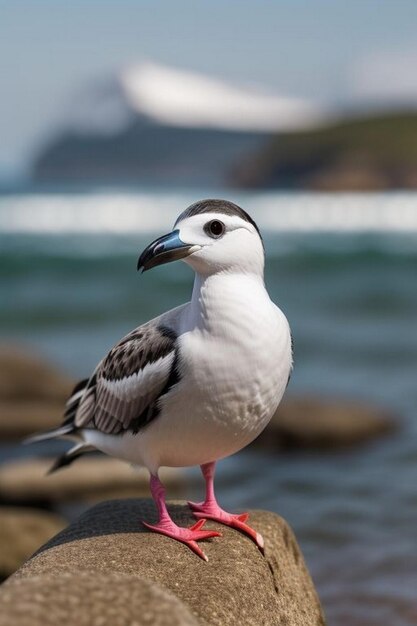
(125, 390)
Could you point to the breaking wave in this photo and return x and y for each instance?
(150, 211)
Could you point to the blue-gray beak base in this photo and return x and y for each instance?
(164, 250)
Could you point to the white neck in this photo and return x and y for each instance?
(220, 298)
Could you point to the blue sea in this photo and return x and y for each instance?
(343, 268)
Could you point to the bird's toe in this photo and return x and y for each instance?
(188, 536)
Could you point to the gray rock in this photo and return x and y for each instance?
(237, 586)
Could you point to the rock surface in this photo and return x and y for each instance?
(22, 531)
(89, 479)
(237, 586)
(314, 423)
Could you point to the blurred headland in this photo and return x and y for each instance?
(358, 153)
(151, 124)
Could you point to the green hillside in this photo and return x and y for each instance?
(357, 153)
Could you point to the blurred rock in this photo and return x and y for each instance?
(89, 479)
(22, 531)
(20, 419)
(32, 394)
(83, 599)
(24, 376)
(314, 423)
(109, 550)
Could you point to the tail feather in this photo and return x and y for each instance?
(69, 457)
(67, 429)
(55, 433)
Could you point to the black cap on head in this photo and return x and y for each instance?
(217, 206)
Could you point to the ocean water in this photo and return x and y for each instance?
(343, 268)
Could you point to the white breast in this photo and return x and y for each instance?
(235, 359)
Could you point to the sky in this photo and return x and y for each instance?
(328, 51)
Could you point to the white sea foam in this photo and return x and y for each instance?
(143, 212)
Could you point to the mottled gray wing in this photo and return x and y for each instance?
(124, 391)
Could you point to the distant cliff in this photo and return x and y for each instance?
(147, 153)
(162, 125)
(367, 153)
(156, 125)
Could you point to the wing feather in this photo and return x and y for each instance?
(127, 384)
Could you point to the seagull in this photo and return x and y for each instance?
(199, 382)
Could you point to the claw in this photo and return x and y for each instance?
(210, 510)
(187, 536)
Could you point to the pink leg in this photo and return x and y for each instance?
(209, 509)
(166, 526)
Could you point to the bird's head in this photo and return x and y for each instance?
(212, 236)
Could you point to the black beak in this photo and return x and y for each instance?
(163, 250)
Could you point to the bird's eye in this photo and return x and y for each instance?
(214, 229)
